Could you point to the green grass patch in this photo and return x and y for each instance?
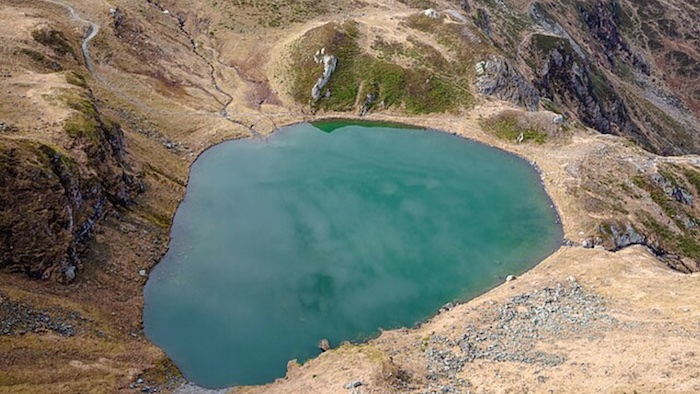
(388, 50)
(388, 82)
(431, 87)
(433, 94)
(693, 177)
(85, 121)
(546, 43)
(508, 127)
(657, 195)
(549, 105)
(685, 244)
(339, 41)
(55, 153)
(76, 79)
(602, 87)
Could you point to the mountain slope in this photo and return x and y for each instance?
(95, 147)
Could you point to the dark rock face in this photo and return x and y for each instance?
(498, 77)
(619, 236)
(674, 190)
(603, 20)
(568, 80)
(483, 21)
(50, 203)
(620, 67)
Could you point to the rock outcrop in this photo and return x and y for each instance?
(431, 13)
(329, 62)
(618, 236)
(50, 202)
(496, 76)
(572, 82)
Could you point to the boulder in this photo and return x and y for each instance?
(431, 13)
(330, 62)
(324, 345)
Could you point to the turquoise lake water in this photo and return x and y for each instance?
(333, 232)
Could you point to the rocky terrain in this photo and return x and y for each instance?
(103, 107)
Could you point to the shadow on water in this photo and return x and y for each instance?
(331, 125)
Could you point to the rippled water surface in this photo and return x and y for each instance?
(333, 231)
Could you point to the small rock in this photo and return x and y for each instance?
(571, 279)
(431, 13)
(139, 381)
(69, 273)
(354, 384)
(324, 345)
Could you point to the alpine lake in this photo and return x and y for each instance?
(334, 230)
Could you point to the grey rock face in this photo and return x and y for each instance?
(498, 77)
(621, 236)
(330, 62)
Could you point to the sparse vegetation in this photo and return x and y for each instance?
(76, 79)
(546, 43)
(40, 62)
(269, 13)
(657, 195)
(85, 121)
(421, 4)
(509, 126)
(693, 177)
(55, 40)
(686, 243)
(683, 244)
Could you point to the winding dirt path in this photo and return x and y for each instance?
(93, 29)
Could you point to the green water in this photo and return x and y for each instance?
(313, 235)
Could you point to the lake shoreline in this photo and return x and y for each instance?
(458, 170)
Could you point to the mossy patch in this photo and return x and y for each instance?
(546, 43)
(85, 121)
(433, 85)
(164, 371)
(55, 40)
(339, 41)
(686, 244)
(39, 61)
(657, 195)
(693, 178)
(507, 126)
(76, 79)
(549, 105)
